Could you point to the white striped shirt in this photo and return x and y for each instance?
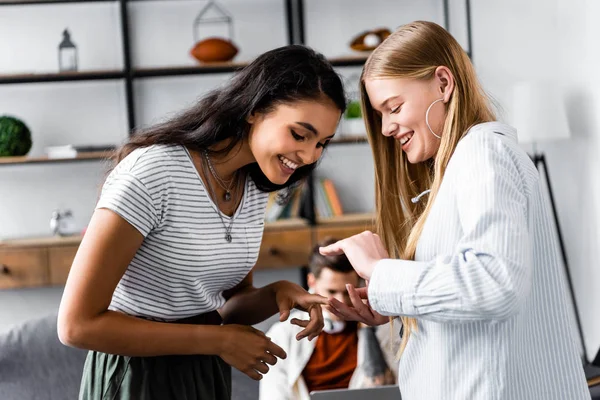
(184, 262)
(487, 285)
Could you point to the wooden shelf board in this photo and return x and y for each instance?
(92, 155)
(346, 219)
(205, 68)
(229, 66)
(42, 241)
(61, 76)
(349, 140)
(284, 224)
(352, 60)
(287, 223)
(27, 2)
(173, 71)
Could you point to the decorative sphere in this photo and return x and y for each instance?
(15, 137)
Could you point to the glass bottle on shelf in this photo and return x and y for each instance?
(67, 54)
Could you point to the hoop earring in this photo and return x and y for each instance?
(427, 118)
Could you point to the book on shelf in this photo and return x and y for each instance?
(327, 203)
(72, 151)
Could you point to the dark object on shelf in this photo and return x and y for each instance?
(67, 53)
(369, 40)
(15, 137)
(217, 47)
(94, 148)
(214, 50)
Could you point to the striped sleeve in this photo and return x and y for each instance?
(488, 275)
(126, 195)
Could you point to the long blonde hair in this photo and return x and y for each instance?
(415, 51)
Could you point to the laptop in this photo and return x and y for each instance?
(388, 392)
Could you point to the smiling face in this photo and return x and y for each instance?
(402, 104)
(291, 136)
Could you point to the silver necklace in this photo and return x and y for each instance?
(228, 228)
(226, 187)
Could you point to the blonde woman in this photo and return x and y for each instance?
(465, 253)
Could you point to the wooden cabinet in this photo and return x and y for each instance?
(286, 244)
(60, 259)
(23, 267)
(285, 247)
(343, 227)
(36, 262)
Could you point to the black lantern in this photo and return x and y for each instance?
(67, 53)
(214, 14)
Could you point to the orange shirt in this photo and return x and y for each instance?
(333, 361)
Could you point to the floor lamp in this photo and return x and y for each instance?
(539, 114)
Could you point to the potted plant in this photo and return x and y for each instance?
(352, 123)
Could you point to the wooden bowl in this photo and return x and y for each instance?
(358, 43)
(214, 50)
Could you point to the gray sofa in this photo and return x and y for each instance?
(34, 365)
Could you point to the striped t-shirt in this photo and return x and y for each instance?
(184, 263)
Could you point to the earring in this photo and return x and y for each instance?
(427, 118)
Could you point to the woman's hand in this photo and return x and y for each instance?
(363, 251)
(249, 350)
(288, 295)
(360, 311)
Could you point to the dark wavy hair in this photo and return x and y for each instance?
(280, 76)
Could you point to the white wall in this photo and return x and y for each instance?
(577, 171)
(555, 40)
(331, 24)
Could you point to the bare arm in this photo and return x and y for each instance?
(248, 305)
(84, 321)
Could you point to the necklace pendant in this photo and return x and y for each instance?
(228, 238)
(227, 196)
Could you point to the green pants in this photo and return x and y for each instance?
(115, 377)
